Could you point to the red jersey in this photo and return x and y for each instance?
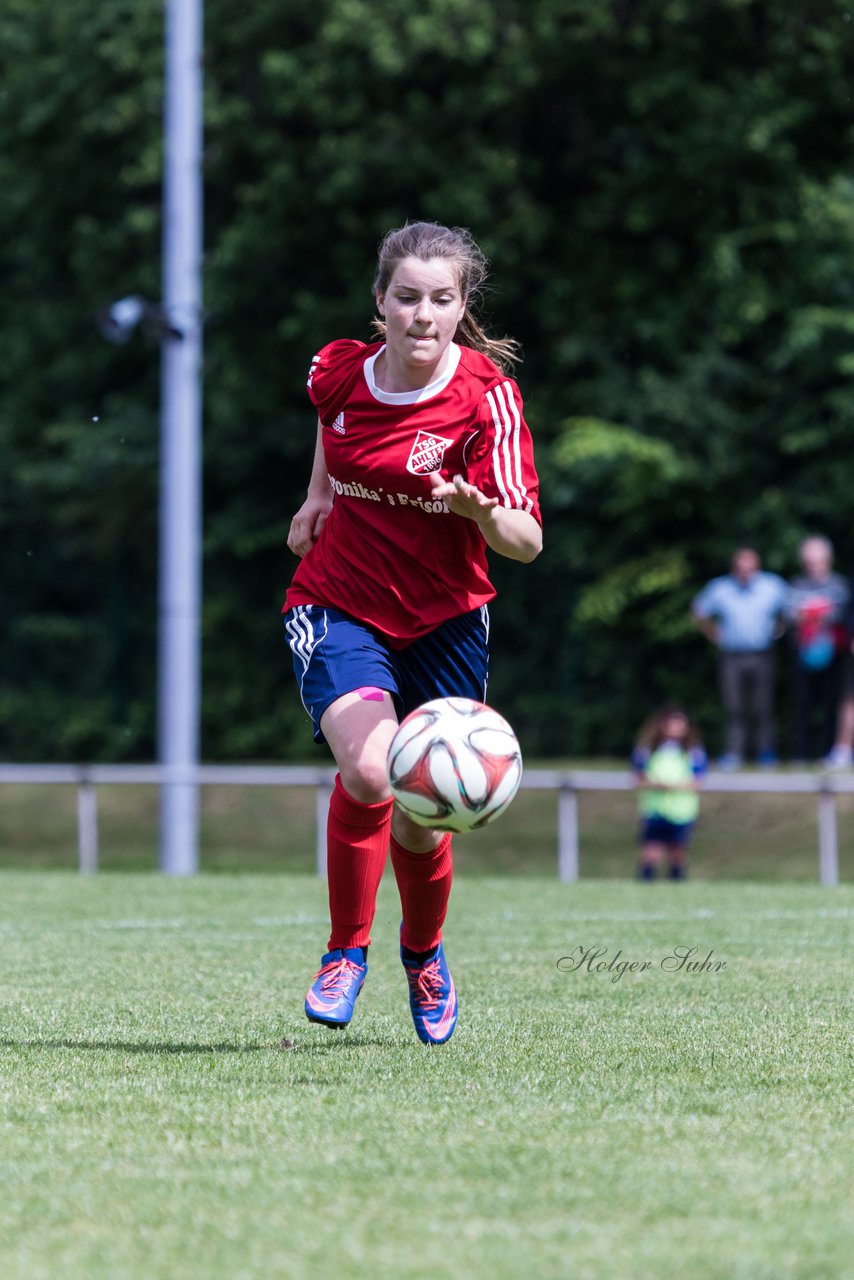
(390, 554)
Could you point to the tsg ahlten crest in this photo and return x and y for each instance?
(427, 453)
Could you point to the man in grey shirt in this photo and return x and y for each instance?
(816, 608)
(742, 614)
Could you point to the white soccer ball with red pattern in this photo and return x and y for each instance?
(454, 764)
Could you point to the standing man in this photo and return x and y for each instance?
(842, 752)
(816, 608)
(741, 613)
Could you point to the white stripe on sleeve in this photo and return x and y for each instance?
(506, 453)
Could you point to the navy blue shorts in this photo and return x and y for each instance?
(335, 654)
(663, 831)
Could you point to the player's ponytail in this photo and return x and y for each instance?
(504, 352)
(426, 240)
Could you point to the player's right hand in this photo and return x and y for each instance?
(307, 524)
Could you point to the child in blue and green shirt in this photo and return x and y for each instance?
(668, 760)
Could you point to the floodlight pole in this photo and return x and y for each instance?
(180, 441)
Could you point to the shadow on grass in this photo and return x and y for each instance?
(335, 1043)
(127, 1046)
(285, 1045)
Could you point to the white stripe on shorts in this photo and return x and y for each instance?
(303, 640)
(484, 617)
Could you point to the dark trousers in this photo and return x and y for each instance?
(816, 700)
(747, 686)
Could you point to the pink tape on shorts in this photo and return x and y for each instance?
(368, 693)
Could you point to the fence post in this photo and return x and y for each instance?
(87, 827)
(322, 796)
(567, 834)
(828, 845)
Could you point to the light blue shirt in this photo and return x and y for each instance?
(747, 614)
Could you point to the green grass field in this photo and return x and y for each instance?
(168, 1113)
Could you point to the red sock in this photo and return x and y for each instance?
(424, 882)
(357, 844)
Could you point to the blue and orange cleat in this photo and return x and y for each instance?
(432, 995)
(336, 984)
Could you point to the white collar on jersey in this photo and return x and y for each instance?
(410, 397)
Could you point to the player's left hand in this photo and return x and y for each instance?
(464, 499)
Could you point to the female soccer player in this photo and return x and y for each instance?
(423, 460)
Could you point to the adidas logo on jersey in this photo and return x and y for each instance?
(338, 425)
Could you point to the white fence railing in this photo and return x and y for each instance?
(567, 784)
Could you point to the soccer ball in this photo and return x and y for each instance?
(454, 764)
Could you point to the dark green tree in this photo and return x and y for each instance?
(666, 191)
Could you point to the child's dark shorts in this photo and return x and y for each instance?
(662, 831)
